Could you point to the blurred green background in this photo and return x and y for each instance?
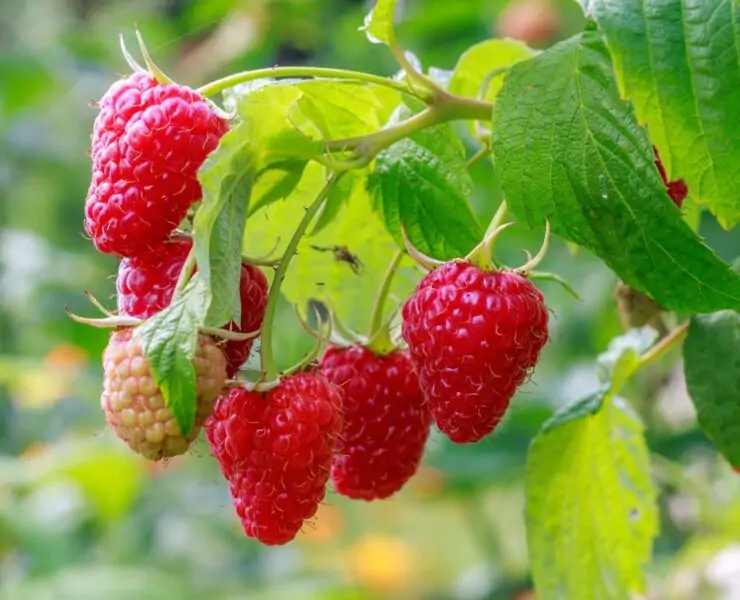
(82, 517)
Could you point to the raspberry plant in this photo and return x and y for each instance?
(612, 140)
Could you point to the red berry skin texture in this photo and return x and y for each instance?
(134, 406)
(145, 285)
(148, 142)
(677, 189)
(275, 450)
(474, 336)
(386, 421)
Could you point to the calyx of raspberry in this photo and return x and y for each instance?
(481, 255)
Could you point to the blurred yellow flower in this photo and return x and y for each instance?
(382, 563)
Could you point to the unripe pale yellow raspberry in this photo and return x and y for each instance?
(134, 406)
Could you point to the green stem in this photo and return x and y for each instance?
(269, 368)
(374, 142)
(664, 346)
(478, 156)
(498, 218)
(229, 81)
(385, 288)
(412, 73)
(446, 108)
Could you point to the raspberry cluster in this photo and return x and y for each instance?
(361, 418)
(149, 140)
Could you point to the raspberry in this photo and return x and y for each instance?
(275, 450)
(148, 142)
(145, 285)
(473, 337)
(386, 421)
(677, 189)
(134, 406)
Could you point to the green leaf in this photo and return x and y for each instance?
(486, 60)
(290, 120)
(339, 109)
(169, 341)
(316, 274)
(622, 358)
(276, 136)
(569, 149)
(678, 62)
(338, 196)
(379, 22)
(590, 504)
(227, 177)
(276, 183)
(421, 184)
(711, 355)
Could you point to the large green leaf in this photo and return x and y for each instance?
(421, 184)
(570, 150)
(678, 61)
(227, 177)
(712, 369)
(169, 340)
(590, 508)
(314, 272)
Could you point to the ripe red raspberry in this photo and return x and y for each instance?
(145, 285)
(148, 142)
(386, 421)
(275, 450)
(677, 189)
(134, 406)
(473, 337)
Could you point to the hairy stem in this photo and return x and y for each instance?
(220, 85)
(412, 73)
(446, 107)
(498, 218)
(269, 368)
(385, 287)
